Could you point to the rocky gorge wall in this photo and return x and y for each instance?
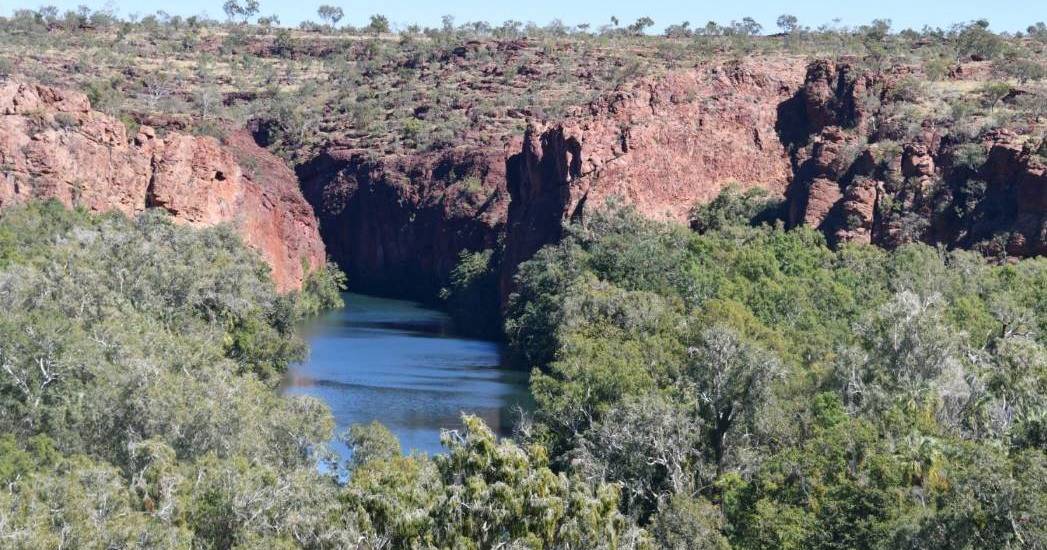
(820, 136)
(813, 134)
(859, 179)
(397, 223)
(661, 144)
(54, 146)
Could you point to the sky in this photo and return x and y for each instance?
(1004, 15)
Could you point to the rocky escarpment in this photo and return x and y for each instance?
(397, 224)
(52, 145)
(662, 144)
(839, 142)
(860, 178)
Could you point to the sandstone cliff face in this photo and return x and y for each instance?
(828, 120)
(662, 145)
(397, 224)
(815, 134)
(811, 133)
(1017, 181)
(52, 145)
(859, 183)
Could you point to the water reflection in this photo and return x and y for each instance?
(402, 364)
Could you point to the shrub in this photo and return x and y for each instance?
(793, 370)
(472, 294)
(66, 121)
(969, 155)
(733, 207)
(975, 41)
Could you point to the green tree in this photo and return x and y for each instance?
(331, 14)
(788, 23)
(473, 295)
(235, 9)
(733, 382)
(994, 92)
(379, 24)
(640, 26)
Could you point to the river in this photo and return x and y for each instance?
(404, 365)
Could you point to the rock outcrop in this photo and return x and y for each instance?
(1016, 181)
(860, 183)
(52, 145)
(662, 144)
(397, 224)
(807, 133)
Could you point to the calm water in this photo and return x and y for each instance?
(402, 364)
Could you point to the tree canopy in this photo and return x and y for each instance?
(755, 386)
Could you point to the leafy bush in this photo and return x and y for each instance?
(824, 399)
(969, 155)
(734, 207)
(321, 290)
(141, 350)
(472, 295)
(139, 365)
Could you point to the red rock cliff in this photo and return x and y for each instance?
(396, 224)
(52, 145)
(866, 183)
(662, 144)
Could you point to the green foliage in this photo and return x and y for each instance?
(976, 41)
(649, 446)
(484, 493)
(105, 96)
(854, 398)
(969, 155)
(139, 364)
(472, 295)
(371, 442)
(733, 207)
(993, 92)
(321, 290)
(688, 523)
(330, 13)
(379, 24)
(19, 463)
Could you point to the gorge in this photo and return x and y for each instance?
(804, 133)
(718, 288)
(828, 138)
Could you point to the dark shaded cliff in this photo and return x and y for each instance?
(396, 225)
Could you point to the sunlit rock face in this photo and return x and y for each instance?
(52, 145)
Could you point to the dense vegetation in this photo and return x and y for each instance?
(749, 387)
(728, 384)
(137, 367)
(731, 386)
(139, 363)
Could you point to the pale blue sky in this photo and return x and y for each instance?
(1005, 15)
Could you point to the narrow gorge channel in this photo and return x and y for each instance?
(405, 366)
